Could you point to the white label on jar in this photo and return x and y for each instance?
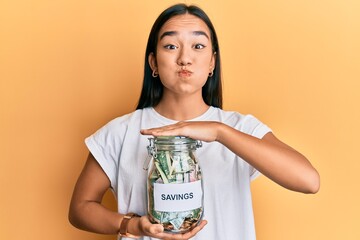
(178, 196)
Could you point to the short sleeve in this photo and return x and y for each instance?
(105, 146)
(252, 126)
(256, 128)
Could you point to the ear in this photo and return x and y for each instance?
(152, 61)
(213, 61)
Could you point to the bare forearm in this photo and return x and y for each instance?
(94, 217)
(275, 160)
(270, 156)
(87, 213)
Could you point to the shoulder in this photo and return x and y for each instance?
(119, 125)
(127, 119)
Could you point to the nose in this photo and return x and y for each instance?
(184, 57)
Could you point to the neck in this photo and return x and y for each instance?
(181, 109)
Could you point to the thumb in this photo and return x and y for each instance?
(156, 228)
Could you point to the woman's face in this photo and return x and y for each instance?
(184, 56)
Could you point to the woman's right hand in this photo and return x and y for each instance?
(157, 230)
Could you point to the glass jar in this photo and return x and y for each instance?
(175, 191)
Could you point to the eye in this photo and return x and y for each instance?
(199, 46)
(170, 47)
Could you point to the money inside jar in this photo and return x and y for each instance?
(175, 196)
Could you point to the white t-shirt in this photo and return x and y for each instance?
(121, 151)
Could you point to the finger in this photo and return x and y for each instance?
(150, 228)
(178, 129)
(150, 131)
(156, 229)
(168, 132)
(147, 131)
(195, 230)
(165, 131)
(183, 236)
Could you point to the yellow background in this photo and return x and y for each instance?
(67, 67)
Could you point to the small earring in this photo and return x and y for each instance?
(212, 73)
(154, 74)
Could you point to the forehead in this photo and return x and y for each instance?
(185, 22)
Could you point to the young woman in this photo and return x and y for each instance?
(181, 96)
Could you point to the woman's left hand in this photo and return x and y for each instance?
(204, 131)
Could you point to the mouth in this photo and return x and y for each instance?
(184, 73)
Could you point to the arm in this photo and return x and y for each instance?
(270, 156)
(87, 213)
(273, 158)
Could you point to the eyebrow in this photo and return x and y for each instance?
(174, 33)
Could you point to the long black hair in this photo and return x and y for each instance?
(152, 88)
